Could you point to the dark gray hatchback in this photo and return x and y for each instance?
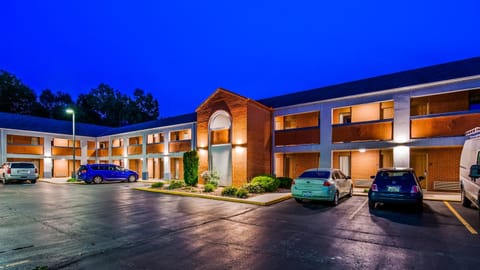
(396, 185)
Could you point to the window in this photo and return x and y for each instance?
(345, 118)
(474, 100)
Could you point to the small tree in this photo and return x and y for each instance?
(190, 167)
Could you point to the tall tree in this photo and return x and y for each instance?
(147, 106)
(15, 97)
(55, 104)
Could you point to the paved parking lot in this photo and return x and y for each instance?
(112, 226)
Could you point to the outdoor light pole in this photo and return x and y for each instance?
(72, 112)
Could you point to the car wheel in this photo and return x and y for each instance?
(97, 179)
(298, 200)
(371, 205)
(465, 201)
(335, 199)
(132, 178)
(33, 181)
(350, 193)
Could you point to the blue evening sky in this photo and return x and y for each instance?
(182, 50)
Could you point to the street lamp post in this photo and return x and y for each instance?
(72, 112)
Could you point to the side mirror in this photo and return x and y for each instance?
(474, 171)
(372, 176)
(348, 177)
(421, 178)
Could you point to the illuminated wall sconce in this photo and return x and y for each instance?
(236, 145)
(202, 147)
(362, 150)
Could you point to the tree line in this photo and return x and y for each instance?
(103, 105)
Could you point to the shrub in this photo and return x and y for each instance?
(190, 167)
(209, 188)
(211, 177)
(269, 183)
(157, 185)
(285, 182)
(241, 193)
(229, 191)
(254, 188)
(176, 184)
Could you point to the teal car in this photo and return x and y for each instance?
(322, 185)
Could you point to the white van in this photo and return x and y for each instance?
(470, 169)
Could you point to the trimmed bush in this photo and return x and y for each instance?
(269, 183)
(211, 177)
(241, 193)
(190, 167)
(176, 184)
(209, 188)
(157, 185)
(254, 188)
(285, 182)
(229, 191)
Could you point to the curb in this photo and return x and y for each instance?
(228, 199)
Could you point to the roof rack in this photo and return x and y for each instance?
(474, 132)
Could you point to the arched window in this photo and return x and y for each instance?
(219, 127)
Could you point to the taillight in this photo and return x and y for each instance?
(9, 171)
(326, 184)
(374, 187)
(36, 170)
(415, 189)
(293, 182)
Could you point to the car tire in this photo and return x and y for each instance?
(465, 201)
(33, 181)
(132, 178)
(371, 205)
(335, 199)
(350, 194)
(97, 179)
(298, 200)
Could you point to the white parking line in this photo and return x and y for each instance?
(14, 264)
(358, 209)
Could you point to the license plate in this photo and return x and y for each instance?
(23, 171)
(307, 193)
(393, 188)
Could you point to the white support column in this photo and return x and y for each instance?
(325, 137)
(47, 153)
(167, 175)
(83, 152)
(144, 157)
(3, 146)
(401, 130)
(126, 143)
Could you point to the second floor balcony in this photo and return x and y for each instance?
(363, 131)
(443, 125)
(299, 136)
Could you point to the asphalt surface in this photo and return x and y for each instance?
(112, 226)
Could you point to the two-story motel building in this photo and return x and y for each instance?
(414, 118)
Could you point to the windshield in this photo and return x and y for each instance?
(315, 174)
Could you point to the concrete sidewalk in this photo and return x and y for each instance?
(264, 199)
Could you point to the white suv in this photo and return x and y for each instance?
(19, 171)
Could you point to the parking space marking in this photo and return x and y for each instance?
(461, 219)
(358, 209)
